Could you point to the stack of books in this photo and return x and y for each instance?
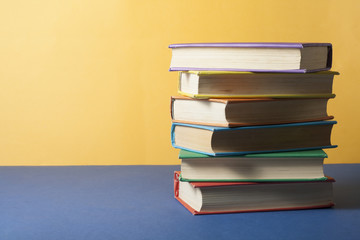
(252, 123)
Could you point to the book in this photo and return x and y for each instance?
(220, 141)
(246, 112)
(230, 197)
(282, 166)
(219, 84)
(252, 57)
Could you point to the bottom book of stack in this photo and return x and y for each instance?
(230, 197)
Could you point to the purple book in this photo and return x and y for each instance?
(311, 57)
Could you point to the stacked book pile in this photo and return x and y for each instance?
(252, 123)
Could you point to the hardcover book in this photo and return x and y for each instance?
(219, 141)
(231, 197)
(246, 112)
(282, 166)
(252, 57)
(218, 84)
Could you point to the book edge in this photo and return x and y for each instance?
(239, 124)
(277, 96)
(251, 45)
(252, 152)
(319, 179)
(321, 154)
(213, 128)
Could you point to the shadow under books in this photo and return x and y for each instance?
(347, 194)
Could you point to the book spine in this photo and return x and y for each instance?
(176, 194)
(171, 108)
(329, 59)
(176, 184)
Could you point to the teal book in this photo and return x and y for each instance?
(222, 141)
(263, 167)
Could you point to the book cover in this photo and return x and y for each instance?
(251, 45)
(255, 45)
(219, 184)
(206, 96)
(318, 153)
(255, 73)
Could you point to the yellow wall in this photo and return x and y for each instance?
(87, 81)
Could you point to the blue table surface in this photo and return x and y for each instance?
(136, 202)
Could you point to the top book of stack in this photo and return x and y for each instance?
(252, 57)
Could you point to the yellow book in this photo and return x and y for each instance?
(220, 84)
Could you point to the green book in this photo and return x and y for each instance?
(262, 167)
(292, 154)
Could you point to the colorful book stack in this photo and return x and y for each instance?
(252, 124)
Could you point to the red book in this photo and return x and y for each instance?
(233, 197)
